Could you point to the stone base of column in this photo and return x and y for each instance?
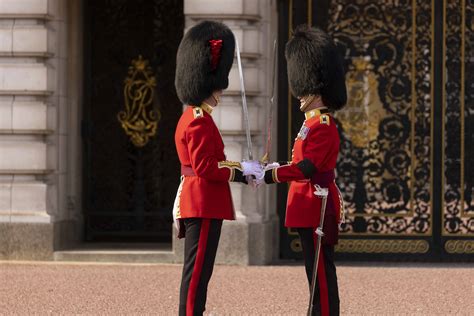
(68, 234)
(26, 241)
(37, 241)
(242, 243)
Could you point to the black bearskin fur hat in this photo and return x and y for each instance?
(205, 56)
(315, 67)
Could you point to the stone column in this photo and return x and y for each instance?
(251, 239)
(33, 108)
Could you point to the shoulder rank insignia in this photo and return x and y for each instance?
(303, 132)
(324, 119)
(197, 111)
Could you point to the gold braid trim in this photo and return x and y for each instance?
(231, 165)
(207, 108)
(312, 113)
(275, 175)
(232, 174)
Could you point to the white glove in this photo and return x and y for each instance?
(271, 166)
(252, 168)
(261, 180)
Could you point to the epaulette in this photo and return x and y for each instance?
(324, 119)
(197, 111)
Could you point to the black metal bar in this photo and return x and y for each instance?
(86, 127)
(282, 132)
(437, 106)
(320, 13)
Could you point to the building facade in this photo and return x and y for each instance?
(88, 169)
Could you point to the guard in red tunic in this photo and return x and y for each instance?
(316, 78)
(204, 200)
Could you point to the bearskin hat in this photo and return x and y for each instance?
(315, 67)
(205, 56)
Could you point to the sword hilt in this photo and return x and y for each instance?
(319, 231)
(321, 192)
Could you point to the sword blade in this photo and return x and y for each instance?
(244, 103)
(317, 252)
(268, 146)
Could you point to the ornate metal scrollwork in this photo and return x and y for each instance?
(382, 246)
(459, 246)
(138, 121)
(458, 184)
(385, 160)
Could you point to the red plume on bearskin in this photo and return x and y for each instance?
(203, 62)
(216, 46)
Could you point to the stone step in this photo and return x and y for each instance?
(114, 255)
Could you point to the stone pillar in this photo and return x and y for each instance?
(33, 129)
(252, 238)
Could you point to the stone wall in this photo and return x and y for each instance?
(33, 126)
(40, 108)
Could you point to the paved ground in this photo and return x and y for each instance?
(93, 289)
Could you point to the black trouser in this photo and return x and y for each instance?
(200, 247)
(326, 296)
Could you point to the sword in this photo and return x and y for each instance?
(244, 103)
(268, 146)
(323, 194)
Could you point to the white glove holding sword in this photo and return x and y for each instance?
(253, 170)
(256, 169)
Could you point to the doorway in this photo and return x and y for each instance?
(130, 111)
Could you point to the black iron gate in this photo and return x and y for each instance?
(130, 111)
(407, 134)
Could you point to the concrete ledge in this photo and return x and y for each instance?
(28, 16)
(37, 54)
(241, 243)
(25, 172)
(124, 256)
(39, 93)
(26, 241)
(26, 131)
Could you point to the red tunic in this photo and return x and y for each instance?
(205, 190)
(313, 162)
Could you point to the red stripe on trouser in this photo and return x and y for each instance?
(196, 276)
(322, 282)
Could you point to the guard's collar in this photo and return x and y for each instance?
(315, 112)
(206, 107)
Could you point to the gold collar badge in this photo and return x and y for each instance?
(206, 107)
(313, 113)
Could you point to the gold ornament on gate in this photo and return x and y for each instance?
(364, 111)
(139, 120)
